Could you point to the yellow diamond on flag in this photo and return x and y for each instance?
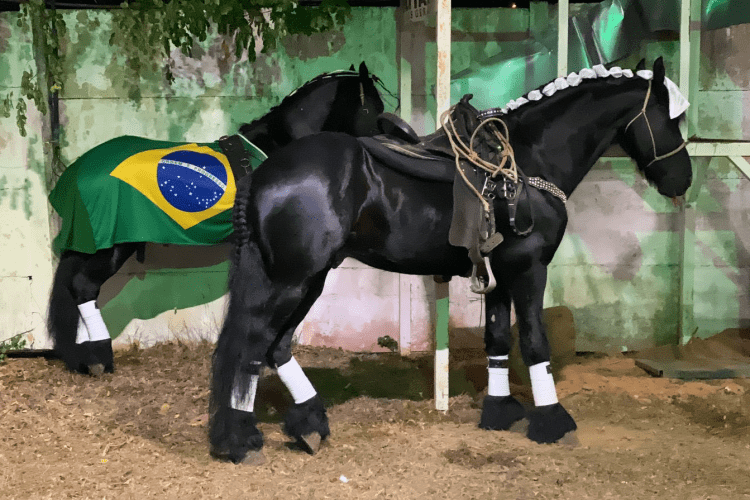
(190, 183)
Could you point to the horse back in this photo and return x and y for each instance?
(324, 197)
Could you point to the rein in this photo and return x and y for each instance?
(651, 132)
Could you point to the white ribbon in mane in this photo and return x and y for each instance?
(678, 104)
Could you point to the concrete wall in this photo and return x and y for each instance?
(617, 269)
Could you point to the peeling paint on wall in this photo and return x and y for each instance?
(617, 268)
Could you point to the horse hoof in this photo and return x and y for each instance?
(254, 458)
(570, 439)
(549, 424)
(96, 370)
(499, 413)
(520, 426)
(311, 443)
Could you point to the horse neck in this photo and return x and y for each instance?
(576, 129)
(302, 113)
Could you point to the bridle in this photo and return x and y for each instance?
(651, 132)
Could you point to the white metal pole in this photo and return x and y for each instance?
(443, 98)
(563, 12)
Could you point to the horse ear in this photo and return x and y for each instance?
(351, 68)
(364, 74)
(641, 65)
(659, 70)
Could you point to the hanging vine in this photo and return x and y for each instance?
(48, 28)
(145, 31)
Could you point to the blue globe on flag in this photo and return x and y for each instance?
(191, 181)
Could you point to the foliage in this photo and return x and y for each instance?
(12, 344)
(48, 29)
(145, 31)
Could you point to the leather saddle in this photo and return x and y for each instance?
(400, 148)
(432, 158)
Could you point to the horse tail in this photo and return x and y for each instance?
(237, 348)
(239, 215)
(62, 317)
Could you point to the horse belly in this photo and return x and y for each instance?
(406, 231)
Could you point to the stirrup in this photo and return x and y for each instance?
(477, 283)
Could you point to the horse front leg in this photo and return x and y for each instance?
(549, 421)
(500, 410)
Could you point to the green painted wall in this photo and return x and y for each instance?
(617, 269)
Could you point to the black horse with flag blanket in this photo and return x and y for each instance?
(329, 196)
(132, 190)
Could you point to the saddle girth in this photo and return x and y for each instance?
(238, 156)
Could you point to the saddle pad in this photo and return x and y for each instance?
(132, 189)
(429, 167)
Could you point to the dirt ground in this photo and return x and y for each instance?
(141, 433)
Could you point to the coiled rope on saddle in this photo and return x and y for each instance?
(497, 165)
(462, 151)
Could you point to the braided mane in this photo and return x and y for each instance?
(563, 83)
(303, 87)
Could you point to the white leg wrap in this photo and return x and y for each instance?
(92, 316)
(82, 334)
(498, 378)
(246, 402)
(296, 381)
(542, 384)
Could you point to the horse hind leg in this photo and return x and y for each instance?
(306, 420)
(73, 307)
(257, 330)
(67, 332)
(240, 353)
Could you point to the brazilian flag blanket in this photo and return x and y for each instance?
(132, 189)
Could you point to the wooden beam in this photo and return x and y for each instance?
(563, 12)
(684, 80)
(741, 164)
(718, 148)
(441, 290)
(404, 314)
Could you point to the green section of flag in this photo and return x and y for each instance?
(99, 211)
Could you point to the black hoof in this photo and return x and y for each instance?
(233, 435)
(101, 350)
(499, 413)
(307, 424)
(78, 357)
(548, 424)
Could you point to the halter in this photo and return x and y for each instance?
(651, 132)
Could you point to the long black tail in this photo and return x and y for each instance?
(62, 318)
(241, 228)
(237, 349)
